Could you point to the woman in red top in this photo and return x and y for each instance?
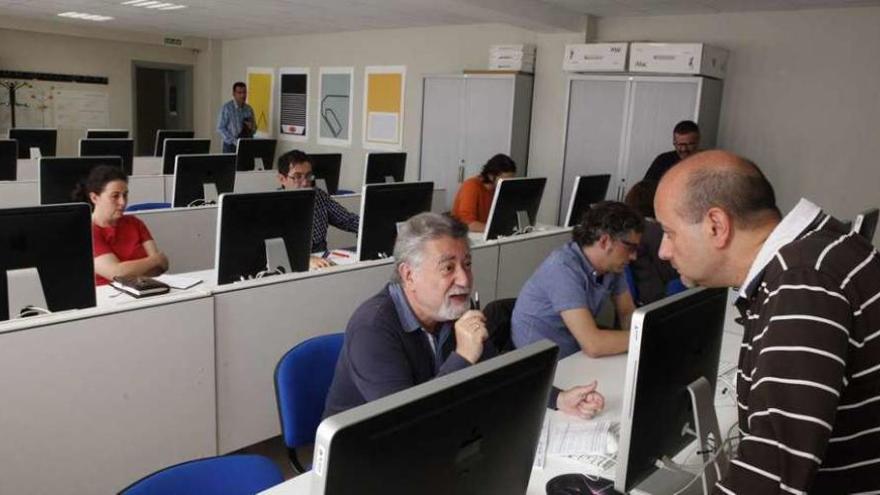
(121, 244)
(474, 198)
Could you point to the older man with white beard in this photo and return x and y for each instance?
(419, 326)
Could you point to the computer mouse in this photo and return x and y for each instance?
(578, 484)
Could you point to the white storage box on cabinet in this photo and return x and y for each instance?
(595, 57)
(678, 58)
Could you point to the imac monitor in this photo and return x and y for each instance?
(123, 148)
(249, 149)
(182, 146)
(326, 167)
(58, 177)
(46, 258)
(8, 159)
(163, 134)
(673, 342)
(202, 178)
(514, 206)
(588, 189)
(107, 134)
(259, 232)
(452, 435)
(45, 139)
(384, 167)
(865, 223)
(383, 206)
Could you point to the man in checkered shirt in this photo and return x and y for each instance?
(295, 172)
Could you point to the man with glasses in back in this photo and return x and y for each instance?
(562, 298)
(295, 172)
(686, 140)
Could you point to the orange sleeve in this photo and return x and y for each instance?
(467, 201)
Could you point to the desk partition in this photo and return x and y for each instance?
(519, 256)
(95, 399)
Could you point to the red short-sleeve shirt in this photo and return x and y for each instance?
(126, 240)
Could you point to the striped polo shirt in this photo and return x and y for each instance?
(808, 384)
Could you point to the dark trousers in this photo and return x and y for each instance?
(228, 147)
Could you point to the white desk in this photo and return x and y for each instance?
(575, 370)
(14, 193)
(26, 169)
(95, 399)
(146, 165)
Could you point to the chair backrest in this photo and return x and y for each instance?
(147, 206)
(631, 282)
(229, 475)
(675, 286)
(498, 315)
(302, 380)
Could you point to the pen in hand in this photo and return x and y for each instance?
(475, 301)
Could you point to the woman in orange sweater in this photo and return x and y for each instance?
(474, 198)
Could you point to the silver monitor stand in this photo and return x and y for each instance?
(24, 288)
(276, 256)
(209, 190)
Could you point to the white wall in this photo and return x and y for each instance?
(423, 51)
(78, 54)
(802, 97)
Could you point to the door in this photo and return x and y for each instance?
(441, 151)
(656, 106)
(163, 100)
(594, 132)
(488, 113)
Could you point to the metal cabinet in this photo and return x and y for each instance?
(468, 118)
(618, 124)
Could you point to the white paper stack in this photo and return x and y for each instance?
(512, 57)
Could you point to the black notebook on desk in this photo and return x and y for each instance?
(139, 286)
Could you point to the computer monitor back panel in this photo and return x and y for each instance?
(8, 159)
(107, 134)
(519, 194)
(249, 149)
(58, 177)
(57, 241)
(383, 206)
(673, 342)
(327, 166)
(45, 139)
(246, 221)
(163, 134)
(455, 434)
(192, 172)
(123, 148)
(182, 146)
(588, 189)
(382, 166)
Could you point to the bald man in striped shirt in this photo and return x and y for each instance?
(808, 383)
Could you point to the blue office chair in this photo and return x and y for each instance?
(340, 192)
(631, 282)
(147, 206)
(302, 380)
(225, 475)
(675, 286)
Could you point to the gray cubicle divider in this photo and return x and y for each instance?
(186, 235)
(96, 399)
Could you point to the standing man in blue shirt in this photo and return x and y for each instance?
(236, 118)
(419, 326)
(562, 298)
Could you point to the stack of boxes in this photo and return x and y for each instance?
(656, 58)
(512, 57)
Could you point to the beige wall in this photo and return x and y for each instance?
(77, 54)
(802, 97)
(423, 51)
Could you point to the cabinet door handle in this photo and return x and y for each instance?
(460, 174)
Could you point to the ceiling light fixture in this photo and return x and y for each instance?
(154, 4)
(85, 17)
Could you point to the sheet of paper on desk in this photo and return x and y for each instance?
(178, 282)
(541, 452)
(577, 438)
